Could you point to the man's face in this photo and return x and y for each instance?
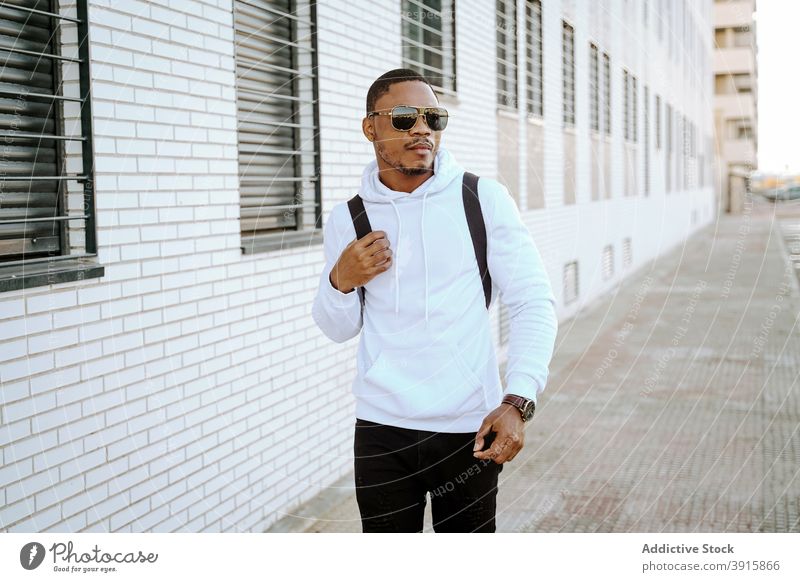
(397, 148)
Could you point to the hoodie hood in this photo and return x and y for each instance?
(445, 170)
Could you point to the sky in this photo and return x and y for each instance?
(778, 84)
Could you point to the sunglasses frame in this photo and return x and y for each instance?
(421, 111)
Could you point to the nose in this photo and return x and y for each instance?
(420, 127)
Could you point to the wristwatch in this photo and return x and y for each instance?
(526, 406)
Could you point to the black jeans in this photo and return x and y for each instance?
(395, 468)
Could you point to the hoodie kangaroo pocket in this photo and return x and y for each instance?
(433, 382)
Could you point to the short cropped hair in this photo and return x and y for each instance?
(381, 85)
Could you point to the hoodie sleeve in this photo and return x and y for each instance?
(337, 314)
(517, 269)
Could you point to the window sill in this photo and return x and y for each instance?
(14, 278)
(508, 112)
(447, 97)
(252, 245)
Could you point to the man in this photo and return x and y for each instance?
(428, 391)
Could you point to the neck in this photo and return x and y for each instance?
(397, 180)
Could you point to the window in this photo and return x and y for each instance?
(658, 122)
(721, 38)
(668, 171)
(685, 136)
(568, 73)
(635, 110)
(742, 82)
(721, 84)
(277, 122)
(646, 140)
(668, 123)
(742, 36)
(606, 94)
(727, 84)
(533, 56)
(428, 29)
(506, 14)
(594, 89)
(740, 128)
(47, 212)
(626, 105)
(660, 19)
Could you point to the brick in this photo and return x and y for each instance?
(82, 464)
(52, 301)
(29, 407)
(84, 501)
(52, 340)
(29, 486)
(23, 326)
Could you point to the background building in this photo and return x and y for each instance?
(735, 98)
(163, 372)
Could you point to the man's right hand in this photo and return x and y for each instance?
(361, 261)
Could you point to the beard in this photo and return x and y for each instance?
(397, 165)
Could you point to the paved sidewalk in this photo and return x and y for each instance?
(673, 403)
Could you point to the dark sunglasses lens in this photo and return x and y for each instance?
(403, 118)
(437, 120)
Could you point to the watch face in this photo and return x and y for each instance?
(527, 413)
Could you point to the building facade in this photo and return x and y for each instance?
(168, 169)
(735, 98)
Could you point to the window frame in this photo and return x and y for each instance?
(567, 75)
(658, 122)
(594, 87)
(66, 266)
(535, 45)
(626, 104)
(606, 94)
(303, 234)
(507, 97)
(424, 68)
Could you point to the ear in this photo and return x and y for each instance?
(368, 128)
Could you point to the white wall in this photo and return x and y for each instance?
(189, 388)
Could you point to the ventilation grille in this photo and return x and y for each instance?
(627, 253)
(570, 282)
(608, 262)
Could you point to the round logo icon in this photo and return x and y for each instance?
(31, 555)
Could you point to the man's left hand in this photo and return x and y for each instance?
(506, 421)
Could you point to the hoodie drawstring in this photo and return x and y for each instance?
(424, 256)
(424, 253)
(396, 279)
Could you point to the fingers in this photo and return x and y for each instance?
(509, 448)
(504, 448)
(482, 432)
(370, 238)
(495, 452)
(376, 253)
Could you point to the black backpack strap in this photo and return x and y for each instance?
(477, 230)
(362, 226)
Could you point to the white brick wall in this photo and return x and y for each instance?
(189, 389)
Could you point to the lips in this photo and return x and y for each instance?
(420, 148)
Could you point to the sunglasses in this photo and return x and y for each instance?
(404, 117)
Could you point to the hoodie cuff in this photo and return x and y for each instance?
(522, 386)
(335, 293)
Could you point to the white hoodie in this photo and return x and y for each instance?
(425, 357)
